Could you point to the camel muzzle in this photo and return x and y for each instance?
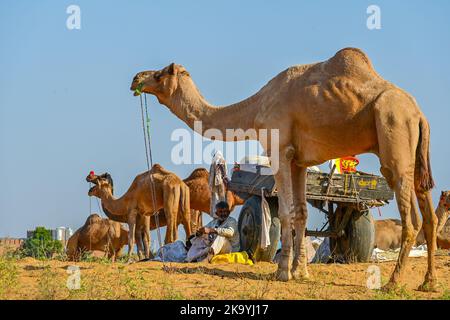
(137, 88)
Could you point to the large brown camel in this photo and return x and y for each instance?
(322, 111)
(97, 234)
(170, 193)
(388, 232)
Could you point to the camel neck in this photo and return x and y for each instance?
(115, 209)
(189, 105)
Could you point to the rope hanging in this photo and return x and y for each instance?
(90, 213)
(149, 158)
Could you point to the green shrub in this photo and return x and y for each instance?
(41, 245)
(8, 276)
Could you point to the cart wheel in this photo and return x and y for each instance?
(249, 226)
(358, 242)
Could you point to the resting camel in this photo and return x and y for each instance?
(388, 232)
(97, 234)
(322, 111)
(171, 193)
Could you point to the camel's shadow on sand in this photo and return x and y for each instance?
(35, 268)
(220, 272)
(240, 275)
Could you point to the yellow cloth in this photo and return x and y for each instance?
(234, 257)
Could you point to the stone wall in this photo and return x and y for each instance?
(9, 244)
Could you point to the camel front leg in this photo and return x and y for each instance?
(112, 253)
(299, 268)
(285, 213)
(131, 233)
(139, 243)
(147, 236)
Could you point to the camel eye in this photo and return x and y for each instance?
(157, 76)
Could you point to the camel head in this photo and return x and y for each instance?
(445, 199)
(161, 83)
(103, 185)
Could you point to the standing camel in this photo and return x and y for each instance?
(322, 111)
(170, 193)
(200, 198)
(142, 230)
(144, 224)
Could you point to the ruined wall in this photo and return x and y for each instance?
(9, 244)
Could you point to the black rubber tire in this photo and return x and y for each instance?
(249, 226)
(359, 240)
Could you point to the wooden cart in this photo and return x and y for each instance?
(344, 198)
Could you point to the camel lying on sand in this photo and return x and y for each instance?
(170, 193)
(97, 234)
(318, 109)
(388, 232)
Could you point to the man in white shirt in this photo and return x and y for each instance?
(219, 236)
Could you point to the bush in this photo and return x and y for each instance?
(41, 245)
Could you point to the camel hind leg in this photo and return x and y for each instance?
(430, 233)
(397, 123)
(404, 193)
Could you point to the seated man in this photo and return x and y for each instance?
(217, 237)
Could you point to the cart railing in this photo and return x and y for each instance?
(349, 188)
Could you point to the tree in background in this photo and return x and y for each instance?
(41, 245)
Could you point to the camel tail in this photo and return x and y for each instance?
(423, 164)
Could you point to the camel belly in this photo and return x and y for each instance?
(319, 144)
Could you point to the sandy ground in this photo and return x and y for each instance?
(32, 279)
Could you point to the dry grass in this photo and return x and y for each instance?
(33, 279)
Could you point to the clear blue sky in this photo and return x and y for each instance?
(66, 108)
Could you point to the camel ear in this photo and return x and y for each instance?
(172, 69)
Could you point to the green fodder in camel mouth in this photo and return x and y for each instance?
(137, 91)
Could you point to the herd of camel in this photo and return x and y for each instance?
(177, 202)
(322, 111)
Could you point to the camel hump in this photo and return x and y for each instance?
(198, 173)
(355, 54)
(93, 218)
(349, 61)
(157, 168)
